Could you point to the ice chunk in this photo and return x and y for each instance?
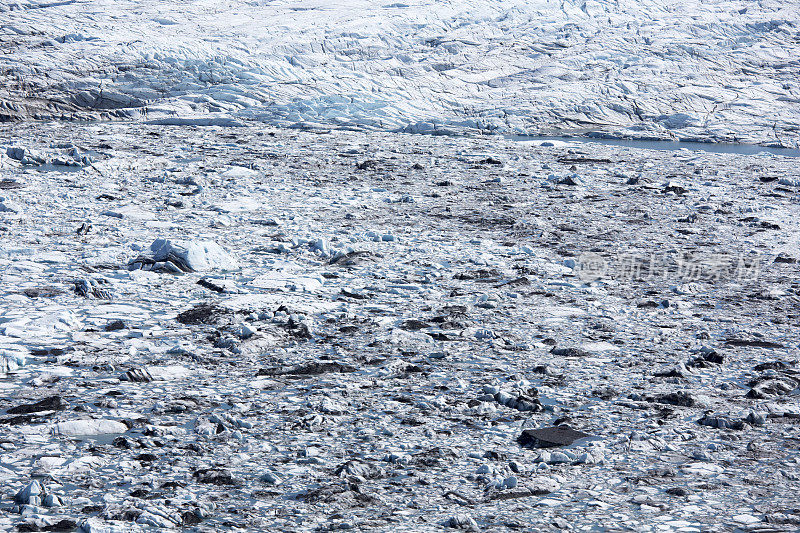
(31, 494)
(155, 373)
(189, 256)
(96, 525)
(238, 172)
(74, 428)
(25, 156)
(52, 500)
(10, 361)
(9, 206)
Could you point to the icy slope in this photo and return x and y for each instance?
(723, 70)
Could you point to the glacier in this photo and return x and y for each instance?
(716, 71)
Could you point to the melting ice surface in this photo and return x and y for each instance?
(719, 148)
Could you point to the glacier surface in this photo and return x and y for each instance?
(720, 70)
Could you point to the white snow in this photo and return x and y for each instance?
(74, 428)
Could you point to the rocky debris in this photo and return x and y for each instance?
(772, 365)
(93, 288)
(215, 476)
(520, 402)
(308, 369)
(65, 524)
(515, 282)
(570, 180)
(770, 387)
(574, 457)
(753, 343)
(349, 259)
(51, 403)
(367, 164)
(42, 292)
(673, 188)
(721, 422)
(678, 372)
(146, 374)
(481, 274)
(550, 437)
(206, 314)
(755, 419)
(114, 325)
(210, 285)
(296, 329)
(9, 184)
(787, 259)
(462, 521)
(570, 352)
(414, 325)
(137, 375)
(357, 378)
(360, 470)
(706, 358)
(518, 494)
(681, 399)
